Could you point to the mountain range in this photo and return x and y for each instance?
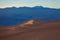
(12, 16)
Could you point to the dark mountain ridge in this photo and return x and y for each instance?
(13, 16)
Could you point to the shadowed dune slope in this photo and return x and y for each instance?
(32, 30)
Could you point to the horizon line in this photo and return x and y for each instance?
(27, 6)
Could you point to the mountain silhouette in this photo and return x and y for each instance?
(13, 16)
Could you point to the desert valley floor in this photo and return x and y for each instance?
(32, 30)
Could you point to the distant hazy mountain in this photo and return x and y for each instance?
(14, 16)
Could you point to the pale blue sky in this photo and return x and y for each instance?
(30, 3)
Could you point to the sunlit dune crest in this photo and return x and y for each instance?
(28, 23)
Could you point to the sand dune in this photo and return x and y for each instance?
(32, 30)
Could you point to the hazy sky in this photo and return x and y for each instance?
(30, 3)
